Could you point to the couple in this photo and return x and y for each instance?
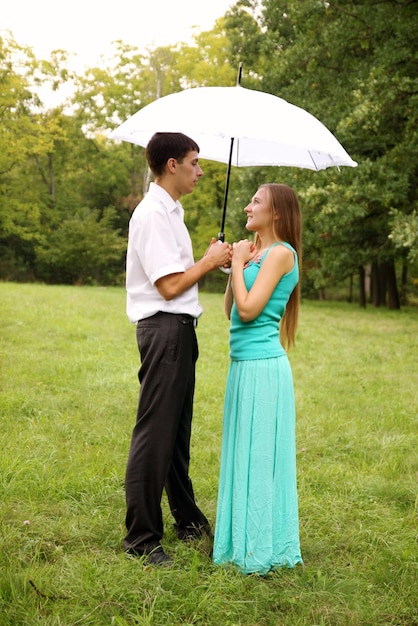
(257, 512)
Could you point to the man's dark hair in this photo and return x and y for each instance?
(164, 146)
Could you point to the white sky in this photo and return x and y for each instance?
(86, 28)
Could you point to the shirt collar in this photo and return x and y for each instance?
(165, 198)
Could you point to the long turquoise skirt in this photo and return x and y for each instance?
(257, 524)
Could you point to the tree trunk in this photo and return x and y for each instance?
(362, 286)
(404, 284)
(382, 273)
(350, 289)
(147, 179)
(375, 284)
(51, 177)
(392, 287)
(367, 282)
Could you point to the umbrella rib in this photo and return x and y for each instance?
(333, 160)
(313, 161)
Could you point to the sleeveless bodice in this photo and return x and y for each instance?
(260, 338)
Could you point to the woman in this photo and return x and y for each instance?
(257, 526)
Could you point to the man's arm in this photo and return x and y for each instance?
(172, 285)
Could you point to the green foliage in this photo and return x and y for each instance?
(84, 249)
(352, 64)
(207, 62)
(405, 232)
(16, 99)
(67, 408)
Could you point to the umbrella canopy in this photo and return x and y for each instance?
(241, 127)
(266, 130)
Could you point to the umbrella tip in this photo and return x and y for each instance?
(239, 73)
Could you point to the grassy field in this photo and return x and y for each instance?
(68, 364)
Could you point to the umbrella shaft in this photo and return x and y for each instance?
(221, 235)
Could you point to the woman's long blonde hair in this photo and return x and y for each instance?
(288, 228)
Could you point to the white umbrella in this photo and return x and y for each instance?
(267, 130)
(240, 127)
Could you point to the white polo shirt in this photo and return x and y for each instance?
(158, 244)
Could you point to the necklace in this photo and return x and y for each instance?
(257, 258)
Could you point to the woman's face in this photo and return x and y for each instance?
(259, 212)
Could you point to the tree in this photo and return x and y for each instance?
(21, 137)
(84, 249)
(353, 65)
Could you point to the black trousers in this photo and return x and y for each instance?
(160, 446)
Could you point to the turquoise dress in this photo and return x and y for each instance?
(257, 525)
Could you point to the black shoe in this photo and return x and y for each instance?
(159, 557)
(191, 532)
(154, 556)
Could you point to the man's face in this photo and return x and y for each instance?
(188, 173)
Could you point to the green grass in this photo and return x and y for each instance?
(68, 364)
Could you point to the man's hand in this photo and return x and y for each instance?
(172, 285)
(220, 252)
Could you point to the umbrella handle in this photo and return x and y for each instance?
(221, 239)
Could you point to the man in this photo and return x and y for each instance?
(162, 299)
